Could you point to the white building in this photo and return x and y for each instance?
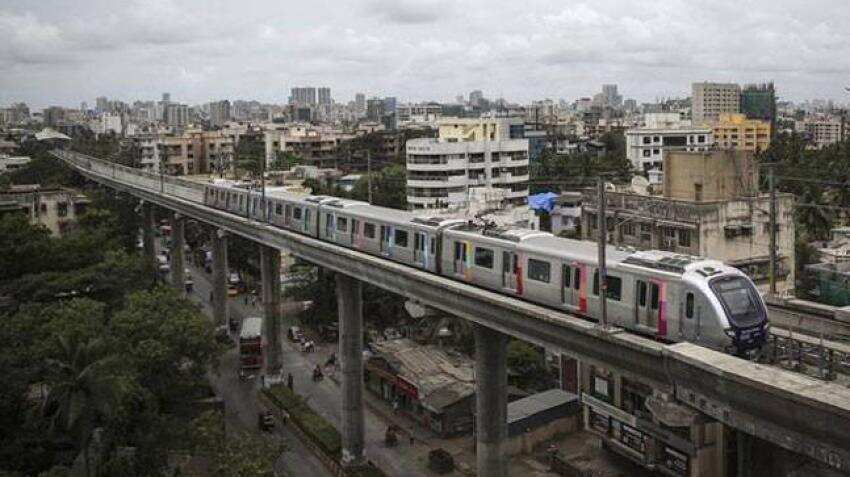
(566, 213)
(646, 145)
(823, 131)
(10, 163)
(109, 122)
(419, 114)
(469, 152)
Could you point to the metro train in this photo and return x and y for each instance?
(668, 296)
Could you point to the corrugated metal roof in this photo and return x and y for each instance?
(537, 403)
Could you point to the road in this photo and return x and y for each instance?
(324, 397)
(240, 399)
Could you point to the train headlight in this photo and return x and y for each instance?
(729, 332)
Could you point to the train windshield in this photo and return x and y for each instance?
(740, 300)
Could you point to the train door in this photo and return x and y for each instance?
(329, 226)
(386, 239)
(647, 303)
(355, 229)
(307, 220)
(419, 247)
(570, 285)
(461, 252)
(509, 268)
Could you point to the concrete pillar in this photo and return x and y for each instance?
(491, 400)
(270, 271)
(745, 454)
(349, 295)
(178, 262)
(148, 237)
(219, 284)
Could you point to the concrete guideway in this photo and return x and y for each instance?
(795, 412)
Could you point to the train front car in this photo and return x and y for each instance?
(737, 306)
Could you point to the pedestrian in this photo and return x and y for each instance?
(289, 381)
(411, 438)
(245, 299)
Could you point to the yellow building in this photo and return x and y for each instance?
(735, 131)
(479, 129)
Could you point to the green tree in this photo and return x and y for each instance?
(528, 366)
(284, 161)
(235, 453)
(249, 156)
(389, 187)
(84, 390)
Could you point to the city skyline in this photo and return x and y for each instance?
(53, 54)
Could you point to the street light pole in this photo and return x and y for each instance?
(602, 226)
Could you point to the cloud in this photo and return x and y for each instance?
(416, 49)
(408, 11)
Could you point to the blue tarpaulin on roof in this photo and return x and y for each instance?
(544, 202)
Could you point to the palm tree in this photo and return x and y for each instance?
(82, 390)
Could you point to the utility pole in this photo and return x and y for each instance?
(772, 271)
(602, 236)
(369, 173)
(263, 188)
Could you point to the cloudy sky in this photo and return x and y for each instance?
(67, 51)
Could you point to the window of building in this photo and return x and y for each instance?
(684, 238)
(368, 230)
(401, 238)
(647, 140)
(656, 152)
(538, 270)
(61, 209)
(342, 224)
(484, 257)
(647, 153)
(43, 208)
(701, 138)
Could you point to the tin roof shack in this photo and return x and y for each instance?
(426, 382)
(539, 417)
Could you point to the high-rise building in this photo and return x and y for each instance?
(710, 100)
(758, 101)
(475, 97)
(176, 114)
(166, 97)
(389, 104)
(303, 96)
(612, 98)
(53, 115)
(219, 112)
(325, 96)
(102, 104)
(375, 109)
(360, 102)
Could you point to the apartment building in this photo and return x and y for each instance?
(419, 114)
(711, 208)
(194, 152)
(710, 100)
(661, 133)
(312, 145)
(735, 131)
(823, 131)
(468, 153)
(53, 207)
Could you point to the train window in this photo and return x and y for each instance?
(342, 224)
(278, 209)
(369, 230)
(577, 277)
(596, 282)
(538, 270)
(567, 276)
(433, 246)
(641, 292)
(615, 287)
(401, 238)
(296, 213)
(654, 296)
(484, 257)
(689, 305)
